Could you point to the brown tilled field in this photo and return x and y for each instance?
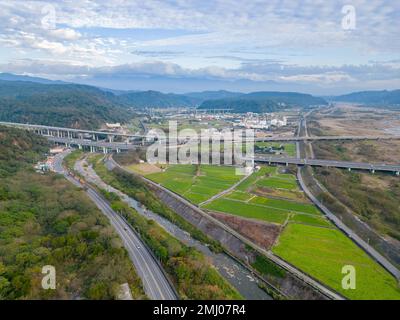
(262, 233)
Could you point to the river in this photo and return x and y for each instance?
(240, 277)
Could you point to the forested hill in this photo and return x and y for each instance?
(18, 149)
(383, 97)
(44, 220)
(155, 99)
(67, 105)
(264, 102)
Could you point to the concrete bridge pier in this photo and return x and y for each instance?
(118, 150)
(105, 151)
(372, 171)
(349, 169)
(79, 146)
(92, 149)
(398, 173)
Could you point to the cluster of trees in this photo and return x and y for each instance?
(44, 220)
(19, 148)
(135, 188)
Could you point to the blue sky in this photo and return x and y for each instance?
(179, 46)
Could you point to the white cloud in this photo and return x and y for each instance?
(65, 34)
(209, 28)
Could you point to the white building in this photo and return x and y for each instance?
(113, 125)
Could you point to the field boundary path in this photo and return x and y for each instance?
(222, 193)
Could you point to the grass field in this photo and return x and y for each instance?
(243, 202)
(277, 182)
(196, 183)
(320, 221)
(286, 205)
(239, 195)
(245, 185)
(322, 252)
(246, 210)
(289, 148)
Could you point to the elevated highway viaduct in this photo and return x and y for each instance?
(74, 138)
(72, 133)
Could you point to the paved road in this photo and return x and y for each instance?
(111, 163)
(154, 280)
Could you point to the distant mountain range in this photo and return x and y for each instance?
(14, 77)
(371, 97)
(37, 100)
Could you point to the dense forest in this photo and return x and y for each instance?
(155, 99)
(44, 220)
(262, 102)
(376, 98)
(63, 105)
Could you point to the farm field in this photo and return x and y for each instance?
(242, 202)
(285, 205)
(196, 183)
(288, 148)
(278, 183)
(247, 210)
(322, 252)
(307, 240)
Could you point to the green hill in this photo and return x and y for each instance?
(66, 105)
(260, 102)
(383, 97)
(148, 99)
(45, 220)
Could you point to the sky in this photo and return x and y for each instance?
(321, 47)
